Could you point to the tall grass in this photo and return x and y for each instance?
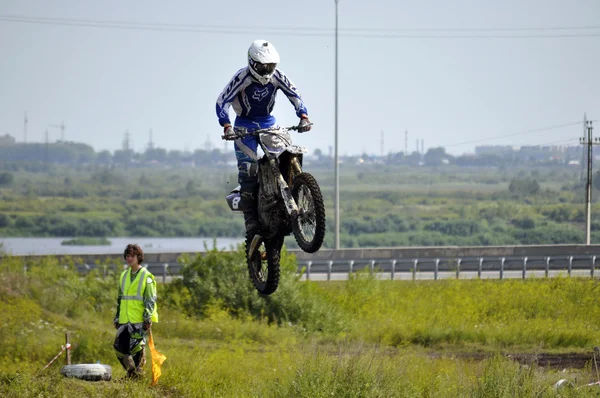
(360, 338)
(549, 314)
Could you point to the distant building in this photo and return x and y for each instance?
(544, 153)
(7, 140)
(494, 149)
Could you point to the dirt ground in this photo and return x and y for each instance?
(558, 361)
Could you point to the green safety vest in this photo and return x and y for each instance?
(132, 296)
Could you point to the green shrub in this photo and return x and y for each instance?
(221, 279)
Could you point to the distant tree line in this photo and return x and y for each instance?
(36, 156)
(31, 156)
(382, 206)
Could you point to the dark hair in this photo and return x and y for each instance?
(134, 250)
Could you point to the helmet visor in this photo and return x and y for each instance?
(264, 69)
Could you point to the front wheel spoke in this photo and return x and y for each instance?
(260, 267)
(306, 216)
(308, 228)
(311, 232)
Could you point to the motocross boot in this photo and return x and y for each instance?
(249, 204)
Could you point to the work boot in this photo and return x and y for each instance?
(140, 360)
(128, 364)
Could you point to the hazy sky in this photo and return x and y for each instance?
(449, 72)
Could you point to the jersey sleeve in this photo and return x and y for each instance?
(291, 92)
(149, 299)
(228, 95)
(119, 296)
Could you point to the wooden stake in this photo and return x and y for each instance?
(68, 348)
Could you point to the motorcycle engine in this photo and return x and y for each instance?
(271, 211)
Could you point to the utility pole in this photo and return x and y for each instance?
(583, 148)
(126, 141)
(25, 127)
(60, 126)
(150, 142)
(382, 144)
(405, 144)
(46, 164)
(588, 186)
(336, 159)
(126, 149)
(46, 160)
(208, 144)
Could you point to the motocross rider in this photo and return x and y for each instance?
(252, 92)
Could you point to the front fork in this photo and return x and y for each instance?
(296, 166)
(286, 194)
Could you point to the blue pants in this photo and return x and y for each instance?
(246, 152)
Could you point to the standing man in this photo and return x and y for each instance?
(136, 310)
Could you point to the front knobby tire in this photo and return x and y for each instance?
(263, 264)
(309, 226)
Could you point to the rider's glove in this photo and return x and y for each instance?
(304, 124)
(228, 133)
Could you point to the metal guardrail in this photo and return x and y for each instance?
(493, 266)
(436, 266)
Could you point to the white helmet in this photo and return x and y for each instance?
(262, 60)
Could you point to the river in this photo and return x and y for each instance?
(52, 246)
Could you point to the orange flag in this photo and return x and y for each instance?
(157, 360)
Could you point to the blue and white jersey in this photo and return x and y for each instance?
(253, 102)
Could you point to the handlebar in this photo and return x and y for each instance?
(242, 132)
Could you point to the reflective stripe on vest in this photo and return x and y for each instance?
(132, 307)
(140, 285)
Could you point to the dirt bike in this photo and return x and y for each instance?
(289, 200)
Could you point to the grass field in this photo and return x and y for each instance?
(358, 338)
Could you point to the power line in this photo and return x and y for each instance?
(590, 31)
(164, 28)
(517, 29)
(541, 129)
(289, 28)
(401, 36)
(559, 142)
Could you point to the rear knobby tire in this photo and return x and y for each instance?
(309, 226)
(263, 264)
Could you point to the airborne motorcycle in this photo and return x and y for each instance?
(289, 200)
